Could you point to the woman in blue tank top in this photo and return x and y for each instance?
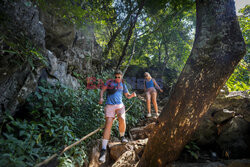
(149, 88)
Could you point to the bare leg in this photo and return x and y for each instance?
(148, 99)
(154, 96)
(108, 126)
(122, 123)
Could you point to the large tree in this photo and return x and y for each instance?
(217, 49)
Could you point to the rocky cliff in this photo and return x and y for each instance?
(68, 51)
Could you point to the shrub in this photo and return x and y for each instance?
(55, 116)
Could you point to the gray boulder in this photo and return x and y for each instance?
(234, 138)
(226, 125)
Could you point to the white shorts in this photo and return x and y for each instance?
(112, 109)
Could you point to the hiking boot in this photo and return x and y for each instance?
(123, 139)
(102, 157)
(149, 115)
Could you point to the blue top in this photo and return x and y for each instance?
(149, 84)
(115, 98)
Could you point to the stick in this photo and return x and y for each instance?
(47, 160)
(79, 141)
(76, 143)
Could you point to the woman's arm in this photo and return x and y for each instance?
(157, 86)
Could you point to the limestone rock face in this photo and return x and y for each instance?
(18, 80)
(58, 72)
(24, 17)
(69, 52)
(59, 33)
(77, 47)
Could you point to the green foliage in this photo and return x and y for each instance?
(80, 12)
(244, 20)
(164, 29)
(165, 39)
(55, 116)
(192, 149)
(20, 50)
(19, 146)
(135, 113)
(46, 132)
(240, 79)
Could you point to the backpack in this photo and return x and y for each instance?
(114, 89)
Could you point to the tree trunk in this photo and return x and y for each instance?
(130, 32)
(132, 54)
(166, 58)
(218, 47)
(116, 33)
(159, 53)
(113, 37)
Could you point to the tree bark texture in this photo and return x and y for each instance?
(217, 49)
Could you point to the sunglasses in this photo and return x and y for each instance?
(117, 77)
